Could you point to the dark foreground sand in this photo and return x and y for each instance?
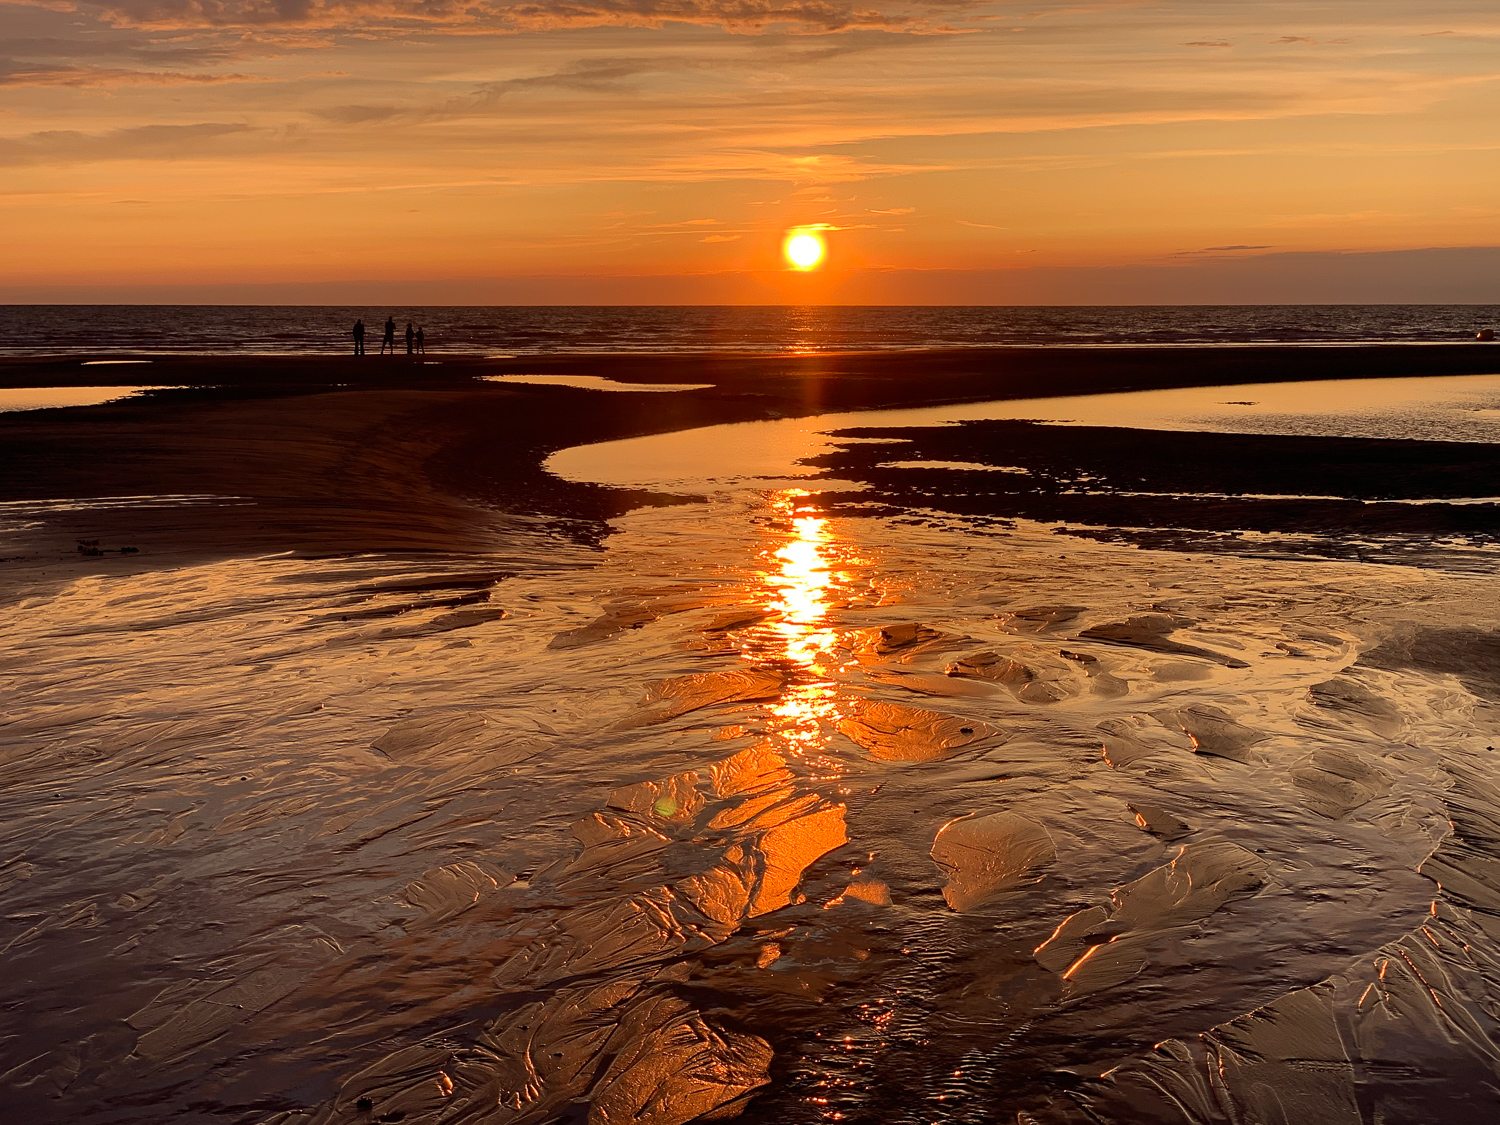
(444, 815)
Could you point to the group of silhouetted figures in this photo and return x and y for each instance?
(416, 342)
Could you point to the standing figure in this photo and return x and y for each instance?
(389, 339)
(359, 337)
(410, 337)
(421, 341)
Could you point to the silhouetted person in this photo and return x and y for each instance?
(359, 337)
(410, 337)
(389, 339)
(421, 341)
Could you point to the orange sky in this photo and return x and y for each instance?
(191, 143)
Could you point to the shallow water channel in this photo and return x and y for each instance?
(756, 813)
(48, 398)
(1452, 408)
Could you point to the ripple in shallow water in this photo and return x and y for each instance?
(292, 841)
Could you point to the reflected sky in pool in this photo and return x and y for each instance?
(1457, 408)
(46, 398)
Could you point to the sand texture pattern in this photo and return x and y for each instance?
(286, 831)
(402, 801)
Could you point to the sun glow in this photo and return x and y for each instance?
(804, 249)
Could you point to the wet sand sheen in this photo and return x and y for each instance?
(758, 811)
(843, 816)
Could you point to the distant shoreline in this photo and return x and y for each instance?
(480, 331)
(690, 353)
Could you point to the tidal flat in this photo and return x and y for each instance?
(390, 779)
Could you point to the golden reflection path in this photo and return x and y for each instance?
(806, 574)
(802, 579)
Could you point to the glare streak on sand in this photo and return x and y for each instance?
(966, 466)
(594, 383)
(168, 500)
(759, 811)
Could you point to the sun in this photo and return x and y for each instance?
(803, 249)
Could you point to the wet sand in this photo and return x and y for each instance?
(465, 811)
(393, 453)
(1409, 501)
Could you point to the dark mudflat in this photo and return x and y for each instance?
(335, 455)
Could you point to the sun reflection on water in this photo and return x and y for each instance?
(803, 577)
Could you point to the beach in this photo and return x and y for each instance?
(403, 453)
(1100, 774)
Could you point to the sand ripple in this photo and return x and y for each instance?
(764, 814)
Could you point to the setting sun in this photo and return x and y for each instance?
(803, 249)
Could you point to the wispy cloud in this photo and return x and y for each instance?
(130, 47)
(590, 75)
(399, 15)
(119, 144)
(1218, 250)
(18, 73)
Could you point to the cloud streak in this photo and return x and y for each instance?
(407, 15)
(145, 141)
(17, 73)
(133, 48)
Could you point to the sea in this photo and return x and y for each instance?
(27, 330)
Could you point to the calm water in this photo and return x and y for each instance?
(1464, 408)
(477, 330)
(47, 398)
